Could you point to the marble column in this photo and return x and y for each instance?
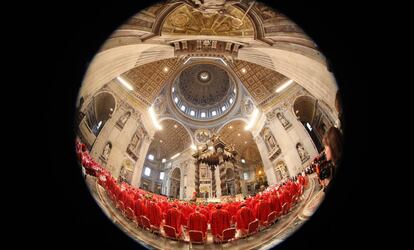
(267, 164)
(197, 177)
(139, 164)
(213, 181)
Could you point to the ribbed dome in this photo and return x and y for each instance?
(204, 91)
(203, 85)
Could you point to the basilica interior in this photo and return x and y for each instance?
(200, 106)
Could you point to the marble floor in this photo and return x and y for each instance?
(265, 239)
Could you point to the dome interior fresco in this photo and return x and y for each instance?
(193, 111)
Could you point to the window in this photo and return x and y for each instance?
(147, 171)
(192, 113)
(173, 89)
(183, 108)
(231, 100)
(161, 175)
(203, 114)
(223, 108)
(164, 160)
(214, 113)
(246, 176)
(309, 126)
(176, 99)
(151, 157)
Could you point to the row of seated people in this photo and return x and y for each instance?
(154, 212)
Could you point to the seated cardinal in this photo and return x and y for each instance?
(173, 218)
(197, 221)
(244, 217)
(220, 220)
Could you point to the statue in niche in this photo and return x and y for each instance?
(123, 119)
(303, 154)
(133, 147)
(271, 144)
(281, 170)
(269, 139)
(106, 151)
(283, 120)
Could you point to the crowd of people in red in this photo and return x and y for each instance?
(175, 219)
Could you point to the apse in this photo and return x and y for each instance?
(213, 123)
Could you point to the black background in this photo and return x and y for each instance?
(74, 32)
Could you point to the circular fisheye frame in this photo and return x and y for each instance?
(209, 122)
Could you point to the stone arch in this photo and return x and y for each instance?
(175, 183)
(99, 110)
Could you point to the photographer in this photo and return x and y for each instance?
(333, 151)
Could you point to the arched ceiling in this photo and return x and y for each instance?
(234, 133)
(172, 139)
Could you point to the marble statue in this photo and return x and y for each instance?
(283, 120)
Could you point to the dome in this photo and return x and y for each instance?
(204, 91)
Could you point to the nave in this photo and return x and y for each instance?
(268, 234)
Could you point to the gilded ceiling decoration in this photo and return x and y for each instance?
(234, 133)
(230, 21)
(261, 82)
(148, 79)
(172, 139)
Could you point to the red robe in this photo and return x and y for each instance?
(262, 210)
(274, 204)
(139, 208)
(197, 221)
(173, 219)
(244, 217)
(220, 220)
(154, 214)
